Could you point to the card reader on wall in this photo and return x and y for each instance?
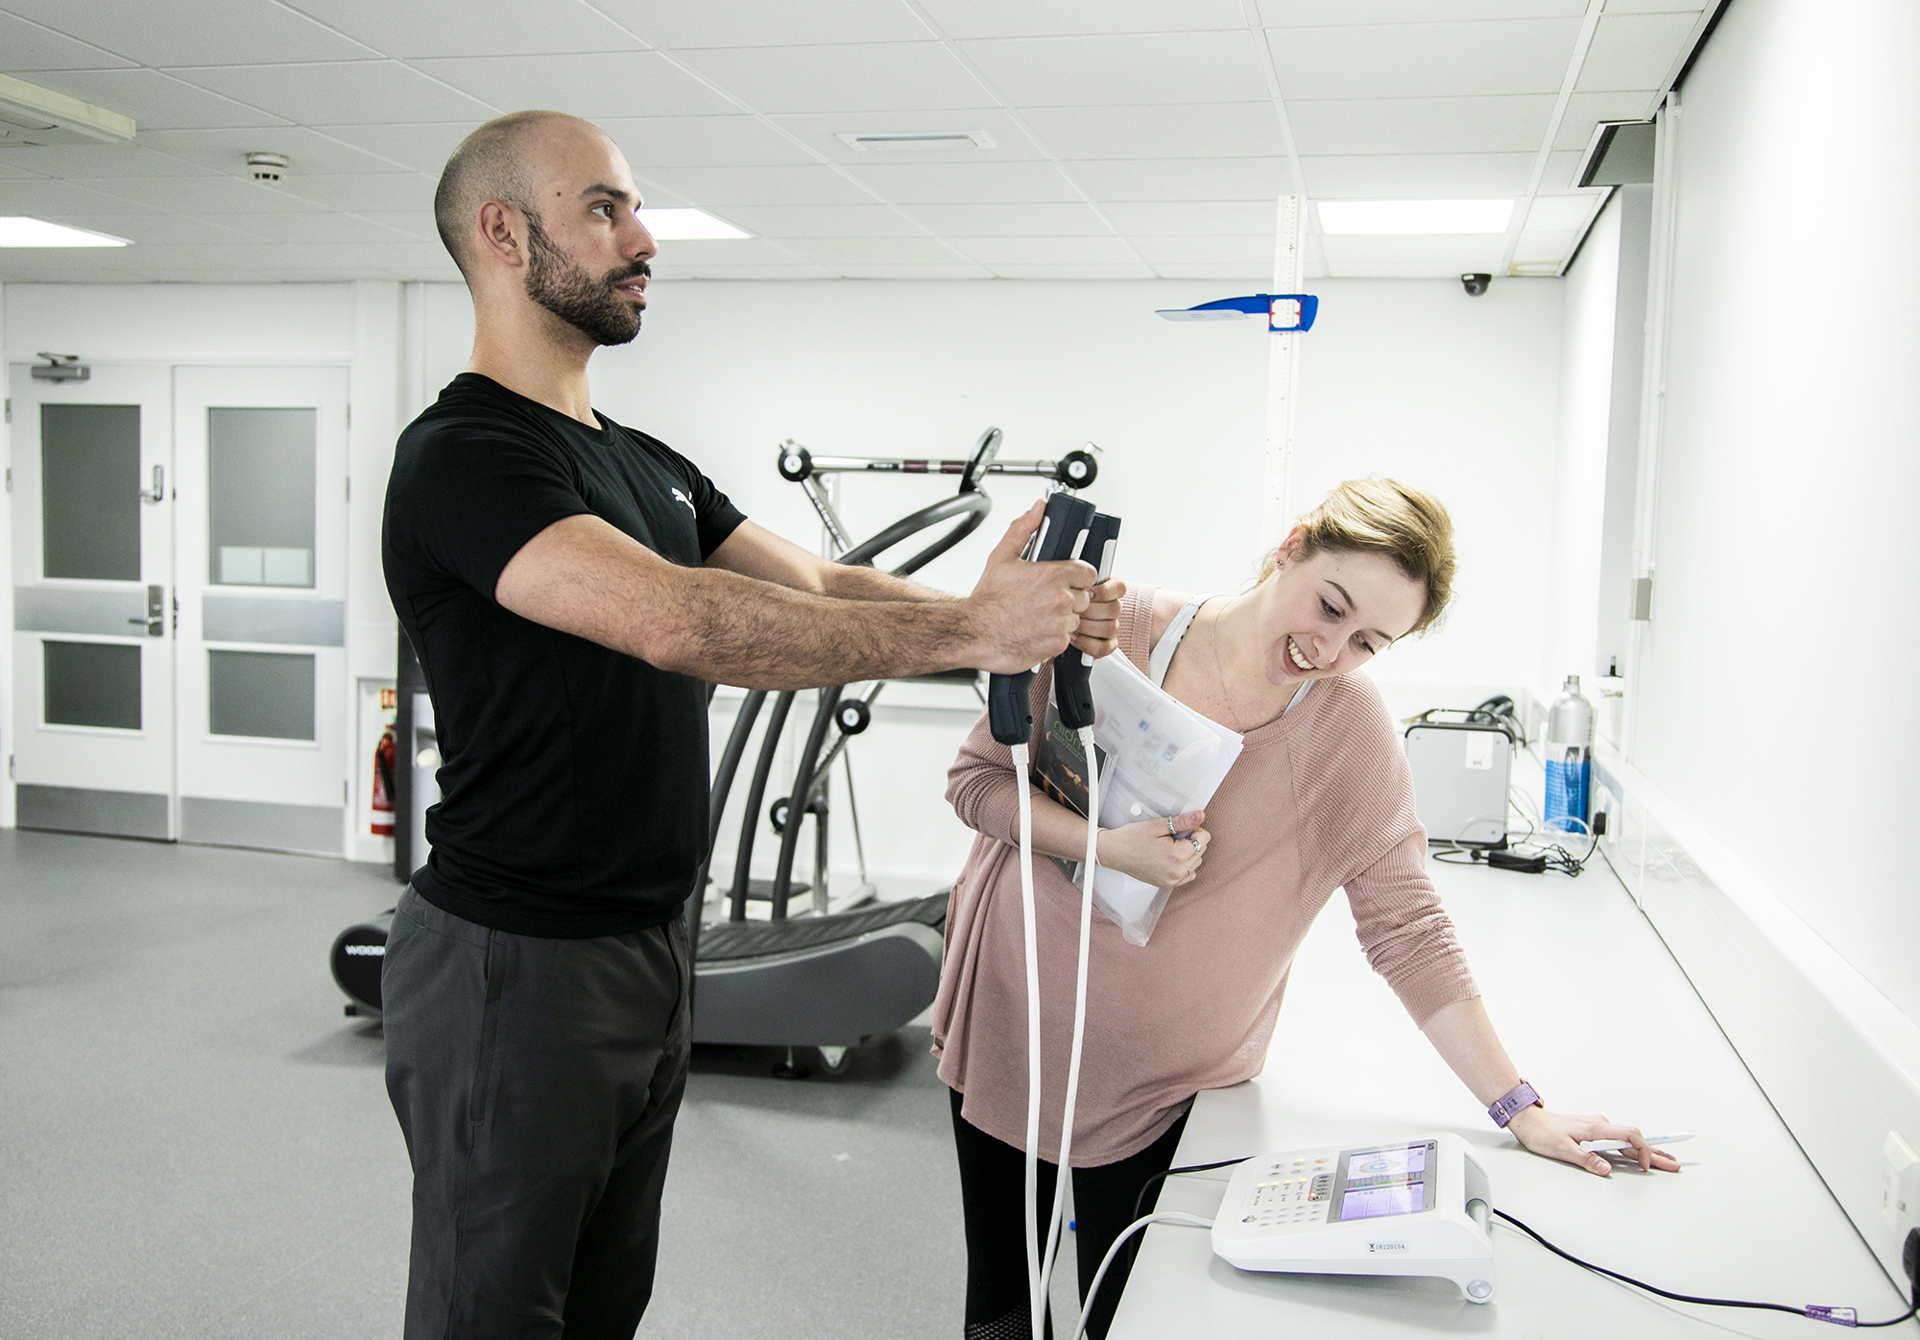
(1419, 1206)
(1461, 770)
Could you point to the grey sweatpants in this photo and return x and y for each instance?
(536, 1082)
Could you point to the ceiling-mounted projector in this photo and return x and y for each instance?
(35, 117)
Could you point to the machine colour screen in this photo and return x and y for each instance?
(1381, 1182)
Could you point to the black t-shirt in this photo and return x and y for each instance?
(573, 778)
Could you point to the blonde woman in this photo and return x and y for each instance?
(1320, 798)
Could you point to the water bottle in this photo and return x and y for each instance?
(1569, 749)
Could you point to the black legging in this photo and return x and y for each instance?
(992, 1191)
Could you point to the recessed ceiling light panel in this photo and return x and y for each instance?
(20, 231)
(688, 225)
(917, 141)
(1349, 217)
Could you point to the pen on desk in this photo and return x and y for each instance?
(1615, 1146)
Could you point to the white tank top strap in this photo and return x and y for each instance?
(1162, 655)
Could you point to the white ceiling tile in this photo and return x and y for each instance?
(837, 251)
(1195, 130)
(726, 272)
(302, 229)
(1440, 269)
(1184, 178)
(254, 255)
(1585, 110)
(1249, 273)
(1424, 60)
(1132, 270)
(1194, 218)
(226, 150)
(1066, 18)
(364, 190)
(1536, 246)
(28, 46)
(1416, 176)
(339, 93)
(1060, 219)
(1462, 254)
(1253, 250)
(54, 200)
(212, 32)
(878, 76)
(412, 222)
(701, 141)
(200, 195)
(1635, 50)
(787, 221)
(759, 186)
(102, 160)
(146, 228)
(613, 83)
(1049, 250)
(472, 27)
(1132, 68)
(1325, 13)
(1562, 167)
(914, 271)
(822, 133)
(1564, 213)
(966, 183)
(1655, 7)
(422, 146)
(154, 100)
(1421, 125)
(9, 172)
(738, 251)
(354, 255)
(725, 23)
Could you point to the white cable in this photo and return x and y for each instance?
(1065, 1166)
(1036, 1300)
(1093, 1292)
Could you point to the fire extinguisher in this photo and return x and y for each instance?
(383, 758)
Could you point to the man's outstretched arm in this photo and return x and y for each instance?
(584, 577)
(754, 551)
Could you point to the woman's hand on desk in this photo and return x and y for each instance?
(1154, 852)
(1556, 1135)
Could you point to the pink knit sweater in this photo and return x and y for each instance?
(1318, 800)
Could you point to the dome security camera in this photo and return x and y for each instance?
(1475, 284)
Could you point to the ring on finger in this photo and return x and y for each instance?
(1170, 828)
(1196, 844)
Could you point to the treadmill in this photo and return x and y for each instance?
(830, 981)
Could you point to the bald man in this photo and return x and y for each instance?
(568, 584)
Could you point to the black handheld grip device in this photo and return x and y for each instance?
(1009, 697)
(1073, 668)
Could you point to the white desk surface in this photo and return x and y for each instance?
(1599, 1018)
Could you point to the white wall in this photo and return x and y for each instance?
(1580, 463)
(1774, 693)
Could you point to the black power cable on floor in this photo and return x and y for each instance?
(1839, 1316)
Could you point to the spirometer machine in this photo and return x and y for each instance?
(1419, 1206)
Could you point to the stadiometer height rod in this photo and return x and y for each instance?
(1283, 375)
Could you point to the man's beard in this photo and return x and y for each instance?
(587, 304)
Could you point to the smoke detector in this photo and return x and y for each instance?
(268, 167)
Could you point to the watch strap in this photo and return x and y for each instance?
(1510, 1104)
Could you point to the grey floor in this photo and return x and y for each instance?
(195, 1142)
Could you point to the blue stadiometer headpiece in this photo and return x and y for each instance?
(1284, 311)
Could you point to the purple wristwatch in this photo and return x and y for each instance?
(1509, 1106)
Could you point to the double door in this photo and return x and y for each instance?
(179, 604)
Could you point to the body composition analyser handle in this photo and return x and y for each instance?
(1073, 668)
(1009, 707)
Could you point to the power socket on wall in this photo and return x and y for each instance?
(1899, 1185)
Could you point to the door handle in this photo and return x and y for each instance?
(156, 616)
(159, 493)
